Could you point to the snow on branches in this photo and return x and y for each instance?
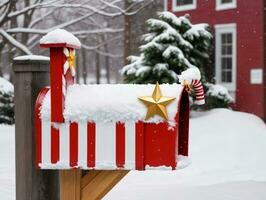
(23, 22)
(172, 45)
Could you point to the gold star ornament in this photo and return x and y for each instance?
(156, 104)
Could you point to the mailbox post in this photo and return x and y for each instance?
(31, 74)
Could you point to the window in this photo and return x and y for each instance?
(181, 5)
(225, 4)
(225, 55)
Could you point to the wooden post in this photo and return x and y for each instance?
(70, 181)
(92, 186)
(31, 183)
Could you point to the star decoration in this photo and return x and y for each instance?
(156, 104)
(70, 62)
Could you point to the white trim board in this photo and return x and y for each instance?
(176, 8)
(165, 5)
(220, 29)
(225, 6)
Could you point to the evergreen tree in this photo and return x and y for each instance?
(172, 45)
(7, 108)
(6, 102)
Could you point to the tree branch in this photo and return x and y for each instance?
(14, 42)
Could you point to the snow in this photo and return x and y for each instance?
(219, 91)
(167, 34)
(190, 74)
(160, 68)
(170, 16)
(112, 103)
(60, 36)
(147, 167)
(32, 57)
(227, 155)
(227, 162)
(6, 86)
(140, 72)
(7, 162)
(173, 50)
(197, 31)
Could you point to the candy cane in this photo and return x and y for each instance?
(199, 92)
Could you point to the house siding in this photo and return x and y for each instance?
(249, 18)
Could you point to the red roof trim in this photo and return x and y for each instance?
(59, 45)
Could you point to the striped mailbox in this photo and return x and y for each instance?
(103, 126)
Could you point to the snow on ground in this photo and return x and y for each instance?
(227, 155)
(7, 162)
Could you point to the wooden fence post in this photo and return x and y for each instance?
(31, 183)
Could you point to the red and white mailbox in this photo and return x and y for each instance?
(103, 126)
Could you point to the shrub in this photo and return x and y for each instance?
(216, 96)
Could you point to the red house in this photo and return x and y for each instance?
(239, 34)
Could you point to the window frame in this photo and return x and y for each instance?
(219, 30)
(176, 8)
(225, 6)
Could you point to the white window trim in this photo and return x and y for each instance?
(165, 5)
(225, 6)
(176, 8)
(220, 29)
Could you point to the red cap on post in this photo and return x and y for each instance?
(62, 46)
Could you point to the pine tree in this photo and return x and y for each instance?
(172, 45)
(7, 108)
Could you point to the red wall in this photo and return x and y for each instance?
(249, 19)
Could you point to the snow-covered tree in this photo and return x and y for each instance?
(6, 102)
(172, 45)
(98, 24)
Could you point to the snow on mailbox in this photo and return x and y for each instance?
(119, 126)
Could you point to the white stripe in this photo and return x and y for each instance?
(46, 142)
(199, 96)
(64, 144)
(130, 145)
(82, 145)
(105, 153)
(200, 93)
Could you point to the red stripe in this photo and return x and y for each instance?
(200, 98)
(199, 95)
(197, 87)
(91, 144)
(73, 144)
(120, 145)
(197, 82)
(38, 140)
(54, 145)
(193, 82)
(139, 153)
(199, 91)
(38, 126)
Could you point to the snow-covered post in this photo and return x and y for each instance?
(62, 46)
(31, 74)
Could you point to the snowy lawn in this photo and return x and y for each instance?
(228, 162)
(7, 162)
